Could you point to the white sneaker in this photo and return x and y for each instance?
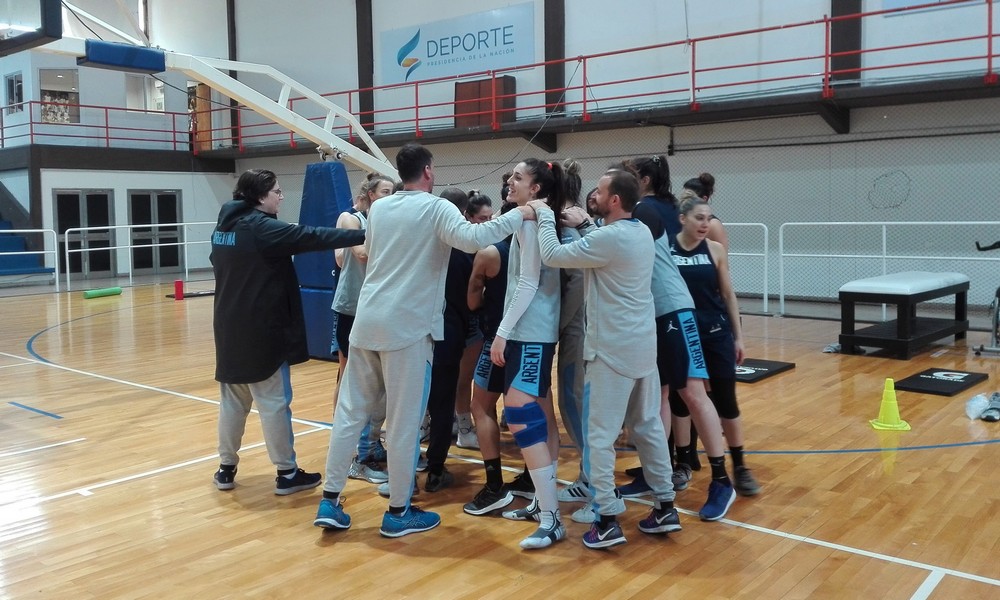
(576, 492)
(467, 438)
(584, 514)
(383, 490)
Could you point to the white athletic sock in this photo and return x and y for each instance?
(547, 519)
(545, 487)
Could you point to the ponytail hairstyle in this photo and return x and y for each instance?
(550, 179)
(658, 170)
(371, 183)
(571, 182)
(703, 185)
(476, 203)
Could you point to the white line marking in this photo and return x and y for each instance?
(936, 573)
(89, 490)
(927, 587)
(27, 450)
(143, 386)
(20, 364)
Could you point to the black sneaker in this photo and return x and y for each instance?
(522, 486)
(225, 477)
(488, 500)
(284, 486)
(744, 482)
(634, 471)
(439, 482)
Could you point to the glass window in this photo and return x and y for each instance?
(143, 92)
(15, 93)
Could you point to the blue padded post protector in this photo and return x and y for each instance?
(326, 193)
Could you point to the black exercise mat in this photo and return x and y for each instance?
(754, 369)
(941, 382)
(199, 294)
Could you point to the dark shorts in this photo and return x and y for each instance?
(720, 353)
(342, 331)
(529, 367)
(475, 332)
(488, 376)
(679, 355)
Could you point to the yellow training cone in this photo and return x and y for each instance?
(888, 413)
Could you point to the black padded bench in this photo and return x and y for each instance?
(908, 332)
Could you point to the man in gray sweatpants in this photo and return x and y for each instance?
(409, 240)
(622, 385)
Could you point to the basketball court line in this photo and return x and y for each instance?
(37, 448)
(935, 573)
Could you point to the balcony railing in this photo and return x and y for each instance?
(681, 73)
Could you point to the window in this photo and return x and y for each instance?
(15, 93)
(142, 92)
(60, 95)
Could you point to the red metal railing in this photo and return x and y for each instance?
(689, 80)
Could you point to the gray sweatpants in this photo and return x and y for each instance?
(274, 398)
(402, 377)
(605, 411)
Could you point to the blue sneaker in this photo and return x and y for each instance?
(720, 497)
(661, 522)
(637, 489)
(606, 537)
(331, 516)
(413, 520)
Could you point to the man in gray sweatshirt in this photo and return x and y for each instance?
(622, 385)
(400, 314)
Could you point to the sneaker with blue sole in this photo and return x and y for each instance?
(720, 497)
(331, 516)
(414, 520)
(604, 537)
(661, 522)
(637, 489)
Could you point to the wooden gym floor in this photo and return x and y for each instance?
(107, 449)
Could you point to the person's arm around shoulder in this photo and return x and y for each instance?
(721, 260)
(347, 220)
(453, 229)
(587, 252)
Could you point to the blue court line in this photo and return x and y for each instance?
(30, 345)
(37, 410)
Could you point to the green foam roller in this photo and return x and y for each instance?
(115, 291)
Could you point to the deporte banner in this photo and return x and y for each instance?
(495, 39)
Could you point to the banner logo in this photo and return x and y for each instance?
(404, 59)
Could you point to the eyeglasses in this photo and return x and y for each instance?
(278, 193)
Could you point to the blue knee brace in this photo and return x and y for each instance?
(536, 429)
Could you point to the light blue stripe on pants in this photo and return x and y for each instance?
(402, 378)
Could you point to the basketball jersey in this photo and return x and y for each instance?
(494, 294)
(352, 275)
(702, 277)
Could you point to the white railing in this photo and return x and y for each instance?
(184, 242)
(949, 242)
(54, 251)
(730, 227)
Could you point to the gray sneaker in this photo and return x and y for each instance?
(367, 471)
(744, 482)
(681, 477)
(383, 489)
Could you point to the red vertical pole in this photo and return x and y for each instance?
(827, 59)
(586, 115)
(494, 121)
(991, 77)
(416, 111)
(107, 128)
(694, 68)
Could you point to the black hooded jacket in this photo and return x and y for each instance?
(259, 322)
